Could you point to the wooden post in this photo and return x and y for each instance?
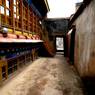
(6, 70)
(12, 13)
(21, 15)
(0, 12)
(28, 19)
(33, 54)
(0, 75)
(5, 12)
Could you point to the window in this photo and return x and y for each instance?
(14, 15)
(14, 2)
(7, 8)
(15, 9)
(17, 17)
(7, 12)
(7, 3)
(2, 9)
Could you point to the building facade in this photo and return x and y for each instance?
(84, 50)
(20, 33)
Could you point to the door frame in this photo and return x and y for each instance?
(55, 44)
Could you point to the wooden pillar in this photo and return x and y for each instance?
(12, 14)
(28, 19)
(0, 13)
(33, 22)
(5, 12)
(21, 15)
(6, 71)
(33, 54)
(0, 74)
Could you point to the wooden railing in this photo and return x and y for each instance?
(10, 65)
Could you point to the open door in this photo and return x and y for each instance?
(59, 44)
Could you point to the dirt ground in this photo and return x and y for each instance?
(45, 76)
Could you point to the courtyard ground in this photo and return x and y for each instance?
(45, 76)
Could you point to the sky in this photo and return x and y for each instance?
(61, 8)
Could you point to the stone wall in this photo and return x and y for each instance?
(85, 41)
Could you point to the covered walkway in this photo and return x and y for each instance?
(45, 76)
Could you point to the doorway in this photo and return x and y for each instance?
(72, 45)
(59, 44)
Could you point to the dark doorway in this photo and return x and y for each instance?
(72, 45)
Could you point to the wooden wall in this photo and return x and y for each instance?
(19, 16)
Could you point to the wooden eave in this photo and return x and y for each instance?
(79, 11)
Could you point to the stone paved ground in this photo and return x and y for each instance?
(45, 76)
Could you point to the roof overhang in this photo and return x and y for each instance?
(79, 11)
(47, 5)
(42, 6)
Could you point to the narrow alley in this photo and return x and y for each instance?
(47, 47)
(45, 76)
